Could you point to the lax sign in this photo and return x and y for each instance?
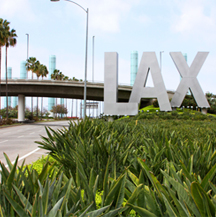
(149, 62)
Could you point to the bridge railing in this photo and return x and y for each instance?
(46, 79)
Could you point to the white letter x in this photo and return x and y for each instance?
(189, 79)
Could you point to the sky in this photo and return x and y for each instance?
(123, 26)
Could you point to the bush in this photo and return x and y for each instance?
(126, 168)
(4, 121)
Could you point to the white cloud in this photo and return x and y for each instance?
(144, 19)
(19, 9)
(193, 21)
(106, 15)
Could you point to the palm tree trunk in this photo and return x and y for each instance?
(56, 109)
(37, 101)
(41, 107)
(71, 107)
(32, 99)
(66, 107)
(6, 82)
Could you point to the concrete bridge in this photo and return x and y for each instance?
(62, 89)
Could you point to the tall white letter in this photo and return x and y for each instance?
(189, 79)
(111, 107)
(149, 61)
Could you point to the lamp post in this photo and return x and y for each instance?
(93, 37)
(27, 45)
(87, 11)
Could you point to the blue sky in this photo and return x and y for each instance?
(58, 28)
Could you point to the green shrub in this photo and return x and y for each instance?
(130, 167)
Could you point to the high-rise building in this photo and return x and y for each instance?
(134, 67)
(52, 67)
(23, 72)
(9, 76)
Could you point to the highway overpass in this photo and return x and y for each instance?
(64, 89)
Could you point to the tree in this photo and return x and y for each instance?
(30, 65)
(57, 75)
(3, 32)
(9, 39)
(212, 102)
(43, 73)
(59, 109)
(39, 69)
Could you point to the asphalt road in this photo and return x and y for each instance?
(20, 140)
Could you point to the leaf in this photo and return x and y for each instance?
(208, 177)
(11, 176)
(23, 199)
(199, 196)
(134, 196)
(182, 194)
(213, 187)
(43, 173)
(67, 194)
(45, 196)
(114, 212)
(54, 210)
(105, 183)
(180, 207)
(142, 212)
(187, 174)
(133, 178)
(86, 210)
(117, 188)
(10, 165)
(18, 209)
(170, 209)
(96, 212)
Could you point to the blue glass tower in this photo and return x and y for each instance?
(52, 67)
(134, 67)
(9, 76)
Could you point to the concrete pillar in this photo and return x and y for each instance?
(21, 107)
(204, 110)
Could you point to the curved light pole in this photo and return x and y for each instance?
(86, 10)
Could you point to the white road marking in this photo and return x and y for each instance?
(25, 156)
(20, 136)
(4, 141)
(31, 133)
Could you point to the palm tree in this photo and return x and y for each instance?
(10, 40)
(3, 32)
(30, 65)
(57, 75)
(43, 73)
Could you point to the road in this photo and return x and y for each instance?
(20, 140)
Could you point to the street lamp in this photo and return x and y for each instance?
(27, 45)
(93, 37)
(86, 10)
